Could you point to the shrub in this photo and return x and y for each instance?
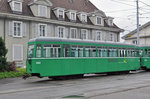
(3, 52)
(11, 67)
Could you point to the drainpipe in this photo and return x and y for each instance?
(4, 29)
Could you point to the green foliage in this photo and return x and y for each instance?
(3, 52)
(20, 72)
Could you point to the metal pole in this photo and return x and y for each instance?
(138, 31)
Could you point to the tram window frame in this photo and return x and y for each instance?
(54, 51)
(91, 51)
(112, 52)
(38, 51)
(31, 48)
(87, 49)
(136, 52)
(148, 52)
(66, 50)
(77, 51)
(131, 52)
(102, 51)
(121, 52)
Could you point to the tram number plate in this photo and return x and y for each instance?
(38, 63)
(112, 60)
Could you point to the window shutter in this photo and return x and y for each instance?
(56, 30)
(10, 30)
(95, 35)
(36, 31)
(66, 33)
(108, 37)
(24, 30)
(80, 34)
(48, 30)
(103, 36)
(88, 34)
(115, 38)
(17, 52)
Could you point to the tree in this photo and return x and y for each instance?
(3, 52)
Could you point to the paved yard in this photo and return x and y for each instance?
(129, 86)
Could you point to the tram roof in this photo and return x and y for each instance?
(45, 39)
(144, 46)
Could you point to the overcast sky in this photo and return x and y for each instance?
(124, 12)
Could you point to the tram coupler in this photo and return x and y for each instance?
(25, 76)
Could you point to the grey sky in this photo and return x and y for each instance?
(124, 12)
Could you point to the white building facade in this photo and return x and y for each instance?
(22, 20)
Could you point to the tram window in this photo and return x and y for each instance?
(102, 52)
(93, 51)
(146, 53)
(87, 51)
(66, 51)
(136, 52)
(90, 51)
(38, 51)
(76, 51)
(122, 52)
(129, 52)
(51, 51)
(133, 52)
(30, 51)
(112, 52)
(80, 51)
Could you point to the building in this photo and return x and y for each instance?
(21, 20)
(131, 37)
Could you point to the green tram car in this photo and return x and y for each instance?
(145, 57)
(55, 57)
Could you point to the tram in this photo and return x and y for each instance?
(145, 57)
(55, 57)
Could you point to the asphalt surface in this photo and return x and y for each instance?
(127, 86)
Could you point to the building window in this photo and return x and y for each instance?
(17, 52)
(17, 6)
(61, 14)
(84, 34)
(72, 16)
(83, 17)
(17, 29)
(99, 20)
(135, 42)
(42, 30)
(110, 22)
(42, 11)
(111, 37)
(61, 32)
(99, 35)
(73, 33)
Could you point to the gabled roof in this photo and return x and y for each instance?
(135, 31)
(77, 5)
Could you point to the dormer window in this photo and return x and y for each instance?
(110, 22)
(83, 17)
(73, 16)
(42, 11)
(99, 20)
(17, 6)
(61, 14)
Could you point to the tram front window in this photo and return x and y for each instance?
(30, 51)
